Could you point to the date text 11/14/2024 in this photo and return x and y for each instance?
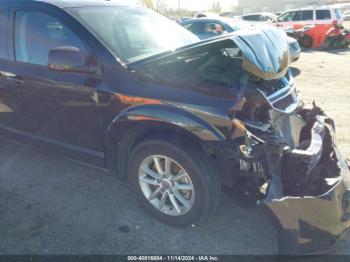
(173, 258)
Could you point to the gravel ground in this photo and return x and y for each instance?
(49, 205)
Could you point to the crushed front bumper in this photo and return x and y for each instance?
(308, 225)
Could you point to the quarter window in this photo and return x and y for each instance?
(338, 15)
(37, 33)
(323, 14)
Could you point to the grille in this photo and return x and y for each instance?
(272, 86)
(280, 93)
(284, 103)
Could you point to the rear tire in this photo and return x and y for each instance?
(176, 183)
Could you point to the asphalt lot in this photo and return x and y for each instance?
(49, 205)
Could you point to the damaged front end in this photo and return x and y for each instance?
(276, 149)
(303, 182)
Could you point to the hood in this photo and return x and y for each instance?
(263, 51)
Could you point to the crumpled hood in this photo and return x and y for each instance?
(265, 52)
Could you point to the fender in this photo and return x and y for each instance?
(164, 114)
(140, 117)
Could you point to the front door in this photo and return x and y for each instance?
(52, 109)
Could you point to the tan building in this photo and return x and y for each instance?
(250, 6)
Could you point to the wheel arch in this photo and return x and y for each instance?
(135, 125)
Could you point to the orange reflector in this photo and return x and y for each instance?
(238, 124)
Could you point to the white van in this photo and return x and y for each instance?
(307, 16)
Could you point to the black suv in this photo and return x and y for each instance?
(123, 88)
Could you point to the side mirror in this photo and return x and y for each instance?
(71, 59)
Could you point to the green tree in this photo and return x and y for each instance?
(156, 5)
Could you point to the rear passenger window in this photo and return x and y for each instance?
(323, 14)
(37, 33)
(251, 17)
(264, 18)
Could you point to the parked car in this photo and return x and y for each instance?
(128, 90)
(300, 33)
(207, 14)
(184, 19)
(346, 17)
(337, 37)
(259, 17)
(309, 16)
(206, 28)
(294, 49)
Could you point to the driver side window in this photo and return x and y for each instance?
(37, 33)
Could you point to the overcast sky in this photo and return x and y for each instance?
(199, 4)
(194, 5)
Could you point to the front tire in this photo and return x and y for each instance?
(176, 183)
(306, 41)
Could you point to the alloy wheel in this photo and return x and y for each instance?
(166, 185)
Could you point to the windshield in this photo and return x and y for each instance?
(134, 33)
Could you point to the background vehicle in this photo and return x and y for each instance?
(184, 19)
(310, 16)
(260, 17)
(207, 15)
(207, 28)
(346, 16)
(337, 37)
(300, 34)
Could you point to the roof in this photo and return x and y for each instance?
(71, 3)
(260, 13)
(310, 8)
